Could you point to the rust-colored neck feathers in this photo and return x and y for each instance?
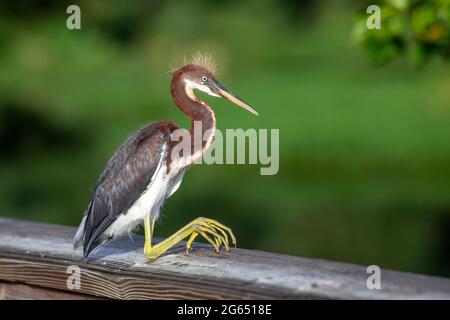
(196, 109)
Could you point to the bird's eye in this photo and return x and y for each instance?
(204, 79)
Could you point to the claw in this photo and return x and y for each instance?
(224, 237)
(220, 225)
(189, 242)
(213, 231)
(214, 244)
(220, 239)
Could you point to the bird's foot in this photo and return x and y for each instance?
(213, 231)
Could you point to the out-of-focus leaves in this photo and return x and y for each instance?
(399, 4)
(416, 29)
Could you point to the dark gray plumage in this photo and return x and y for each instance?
(125, 178)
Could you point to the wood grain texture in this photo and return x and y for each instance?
(38, 255)
(16, 291)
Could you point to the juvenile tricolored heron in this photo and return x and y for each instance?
(142, 174)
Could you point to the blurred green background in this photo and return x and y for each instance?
(364, 150)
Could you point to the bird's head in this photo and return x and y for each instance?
(200, 75)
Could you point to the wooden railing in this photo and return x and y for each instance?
(37, 261)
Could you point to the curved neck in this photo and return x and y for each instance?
(203, 121)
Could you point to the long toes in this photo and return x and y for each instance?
(210, 229)
(217, 230)
(224, 237)
(213, 243)
(218, 239)
(189, 242)
(223, 227)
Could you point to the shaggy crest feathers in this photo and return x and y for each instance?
(205, 61)
(199, 59)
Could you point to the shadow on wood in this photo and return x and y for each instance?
(34, 259)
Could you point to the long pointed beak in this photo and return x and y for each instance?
(227, 94)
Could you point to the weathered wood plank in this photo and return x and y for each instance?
(38, 255)
(15, 291)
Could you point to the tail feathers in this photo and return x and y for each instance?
(78, 238)
(88, 246)
(99, 242)
(89, 237)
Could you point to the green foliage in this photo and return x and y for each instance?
(417, 29)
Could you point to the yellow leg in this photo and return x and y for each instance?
(148, 230)
(214, 232)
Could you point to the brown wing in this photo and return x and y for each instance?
(124, 179)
